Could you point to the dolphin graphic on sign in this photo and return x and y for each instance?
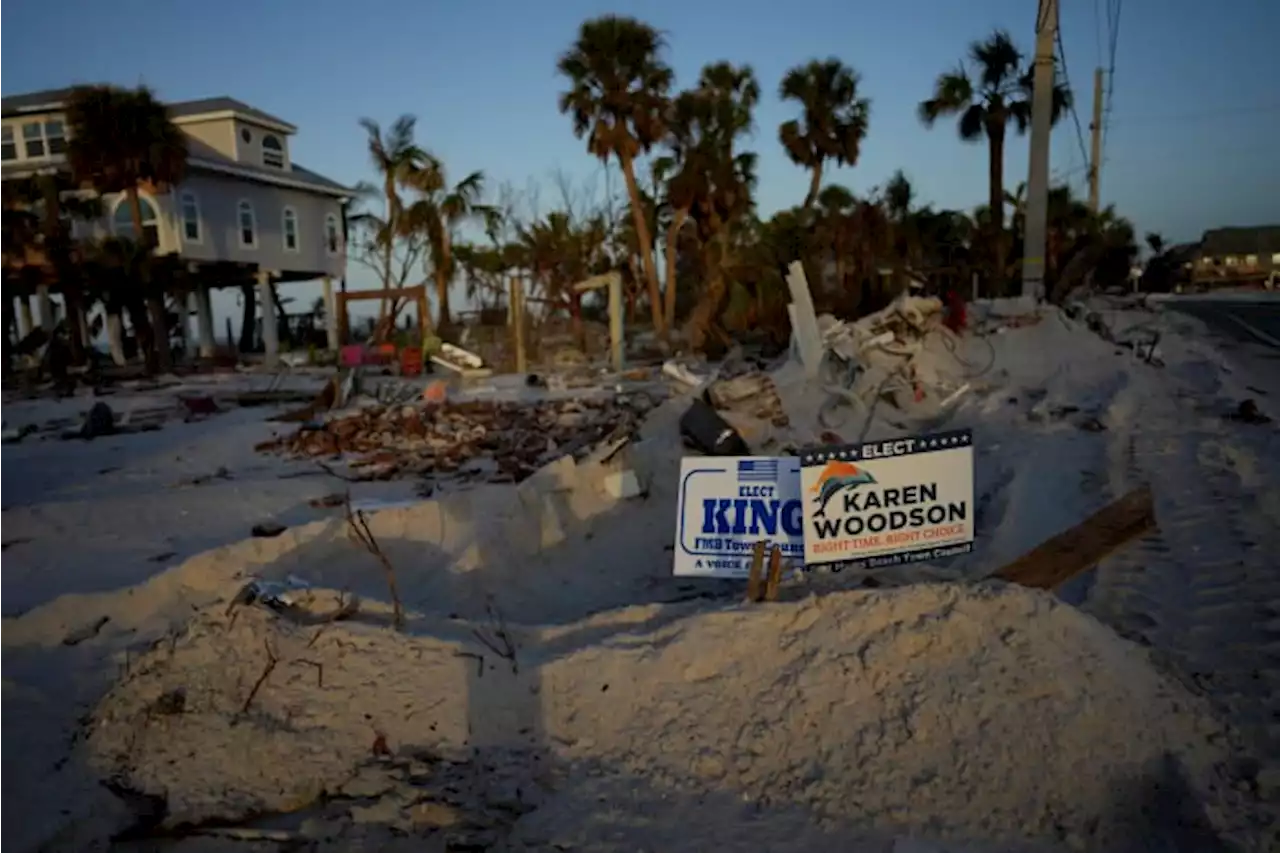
(837, 477)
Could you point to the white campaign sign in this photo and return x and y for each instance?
(886, 503)
(729, 503)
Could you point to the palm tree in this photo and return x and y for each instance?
(438, 212)
(395, 157)
(618, 101)
(833, 121)
(986, 96)
(707, 178)
(1155, 242)
(119, 140)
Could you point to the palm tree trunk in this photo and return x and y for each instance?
(285, 333)
(388, 251)
(443, 268)
(707, 311)
(153, 332)
(995, 135)
(76, 327)
(815, 184)
(673, 236)
(645, 246)
(60, 249)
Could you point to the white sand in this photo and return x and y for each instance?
(748, 728)
(903, 711)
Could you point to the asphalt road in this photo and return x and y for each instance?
(1253, 317)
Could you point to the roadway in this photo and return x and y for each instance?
(1253, 317)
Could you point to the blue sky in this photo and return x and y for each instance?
(1192, 145)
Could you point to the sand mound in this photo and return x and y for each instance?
(943, 711)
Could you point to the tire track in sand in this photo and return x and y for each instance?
(1205, 591)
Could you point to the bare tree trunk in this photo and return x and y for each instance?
(646, 246)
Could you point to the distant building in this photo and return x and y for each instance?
(246, 212)
(1233, 257)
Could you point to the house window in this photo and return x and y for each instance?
(1250, 260)
(55, 137)
(248, 225)
(1230, 260)
(1275, 259)
(245, 135)
(122, 221)
(290, 230)
(8, 147)
(33, 139)
(272, 152)
(332, 236)
(190, 218)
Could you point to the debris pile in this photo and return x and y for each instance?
(501, 442)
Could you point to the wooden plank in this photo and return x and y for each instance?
(775, 575)
(754, 591)
(1073, 551)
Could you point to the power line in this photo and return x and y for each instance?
(1066, 81)
(1113, 39)
(1255, 109)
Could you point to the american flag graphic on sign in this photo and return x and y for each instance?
(757, 470)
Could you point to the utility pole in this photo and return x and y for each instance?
(1033, 246)
(1095, 150)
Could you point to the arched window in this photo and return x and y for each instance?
(248, 225)
(290, 230)
(122, 221)
(272, 151)
(332, 235)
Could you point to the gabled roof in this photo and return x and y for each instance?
(34, 101)
(51, 99)
(223, 104)
(1258, 240)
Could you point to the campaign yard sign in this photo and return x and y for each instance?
(729, 503)
(885, 503)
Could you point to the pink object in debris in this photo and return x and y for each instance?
(435, 392)
(352, 355)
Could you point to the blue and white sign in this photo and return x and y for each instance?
(728, 504)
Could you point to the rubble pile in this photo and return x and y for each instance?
(903, 356)
(502, 442)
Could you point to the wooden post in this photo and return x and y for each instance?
(47, 321)
(424, 319)
(270, 334)
(26, 323)
(517, 321)
(756, 576)
(615, 322)
(330, 316)
(344, 322)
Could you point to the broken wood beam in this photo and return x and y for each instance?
(1074, 551)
